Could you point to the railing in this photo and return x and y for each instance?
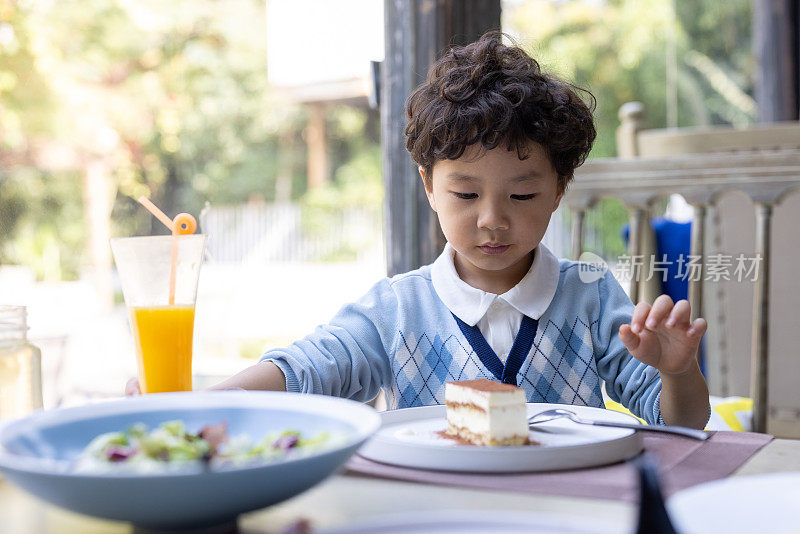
(288, 232)
(766, 176)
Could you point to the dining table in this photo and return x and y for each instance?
(351, 498)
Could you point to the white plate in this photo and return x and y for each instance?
(471, 522)
(758, 503)
(408, 437)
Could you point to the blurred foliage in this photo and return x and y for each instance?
(172, 98)
(617, 49)
(357, 183)
(44, 209)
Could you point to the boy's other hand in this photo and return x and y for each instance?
(132, 388)
(663, 336)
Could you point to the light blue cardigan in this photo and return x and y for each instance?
(400, 337)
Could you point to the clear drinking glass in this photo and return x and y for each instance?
(20, 365)
(161, 301)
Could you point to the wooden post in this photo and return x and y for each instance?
(416, 33)
(317, 146)
(577, 232)
(631, 118)
(698, 246)
(759, 356)
(776, 31)
(97, 202)
(637, 222)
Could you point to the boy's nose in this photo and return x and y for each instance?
(493, 218)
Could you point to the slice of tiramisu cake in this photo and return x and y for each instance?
(484, 412)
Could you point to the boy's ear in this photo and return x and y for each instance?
(559, 197)
(427, 182)
(558, 200)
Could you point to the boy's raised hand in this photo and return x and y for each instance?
(663, 336)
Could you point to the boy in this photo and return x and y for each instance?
(497, 142)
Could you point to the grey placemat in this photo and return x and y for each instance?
(682, 463)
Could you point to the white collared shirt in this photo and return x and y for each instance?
(498, 316)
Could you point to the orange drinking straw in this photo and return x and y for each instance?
(182, 224)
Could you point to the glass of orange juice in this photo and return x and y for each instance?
(159, 276)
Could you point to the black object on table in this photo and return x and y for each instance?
(653, 516)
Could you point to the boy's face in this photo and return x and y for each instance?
(494, 209)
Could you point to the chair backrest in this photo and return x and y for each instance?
(633, 140)
(659, 143)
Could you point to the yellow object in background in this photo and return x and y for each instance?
(617, 407)
(728, 413)
(731, 413)
(163, 336)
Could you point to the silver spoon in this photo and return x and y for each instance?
(549, 415)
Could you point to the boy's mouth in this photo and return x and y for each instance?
(493, 248)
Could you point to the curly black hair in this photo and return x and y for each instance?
(491, 93)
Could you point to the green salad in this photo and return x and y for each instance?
(171, 446)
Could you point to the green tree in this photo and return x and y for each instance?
(618, 50)
(109, 100)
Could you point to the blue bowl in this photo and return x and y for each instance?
(37, 454)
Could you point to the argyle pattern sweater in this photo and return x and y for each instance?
(402, 339)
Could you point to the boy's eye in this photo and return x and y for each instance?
(523, 197)
(465, 196)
